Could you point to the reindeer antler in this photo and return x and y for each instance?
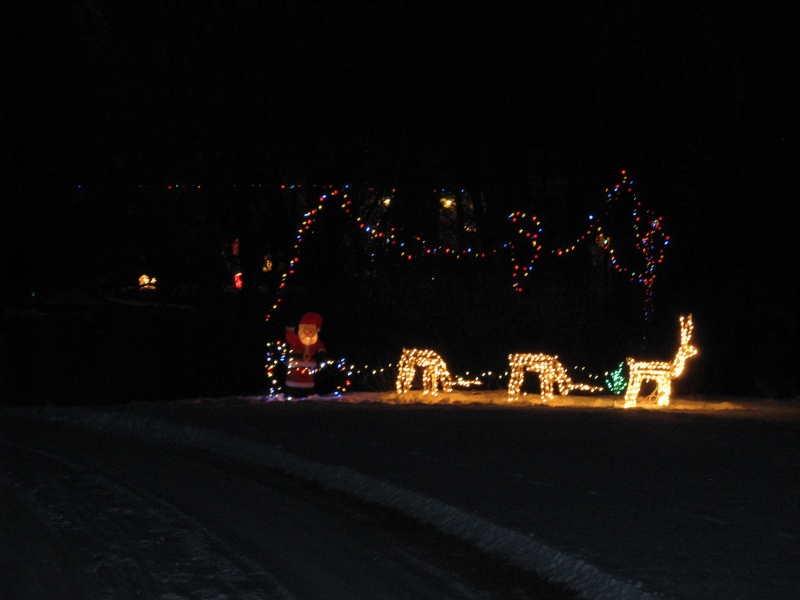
(687, 326)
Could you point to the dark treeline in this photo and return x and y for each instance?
(535, 112)
(484, 96)
(75, 306)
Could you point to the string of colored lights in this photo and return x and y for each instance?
(518, 271)
(306, 225)
(523, 250)
(651, 241)
(647, 228)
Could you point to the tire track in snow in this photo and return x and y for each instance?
(520, 549)
(125, 543)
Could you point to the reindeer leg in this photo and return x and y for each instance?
(633, 390)
(665, 390)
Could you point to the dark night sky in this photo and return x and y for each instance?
(698, 100)
(237, 90)
(205, 89)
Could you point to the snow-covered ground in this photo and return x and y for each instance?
(695, 500)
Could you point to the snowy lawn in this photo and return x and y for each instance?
(695, 500)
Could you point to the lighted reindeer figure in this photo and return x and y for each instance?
(434, 371)
(661, 372)
(551, 372)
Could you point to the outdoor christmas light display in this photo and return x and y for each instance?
(642, 240)
(624, 233)
(146, 282)
(644, 229)
(434, 371)
(649, 238)
(551, 373)
(647, 234)
(304, 358)
(278, 358)
(230, 254)
(615, 380)
(306, 225)
(662, 373)
(531, 243)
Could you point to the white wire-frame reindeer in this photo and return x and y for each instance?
(551, 373)
(662, 373)
(434, 371)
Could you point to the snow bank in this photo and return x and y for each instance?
(523, 550)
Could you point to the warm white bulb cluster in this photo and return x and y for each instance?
(551, 373)
(146, 282)
(467, 383)
(434, 371)
(662, 373)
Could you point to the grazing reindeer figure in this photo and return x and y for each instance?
(551, 372)
(434, 371)
(661, 372)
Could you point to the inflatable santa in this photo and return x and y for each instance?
(305, 353)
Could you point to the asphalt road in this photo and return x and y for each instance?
(88, 514)
(245, 497)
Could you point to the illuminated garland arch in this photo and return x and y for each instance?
(525, 248)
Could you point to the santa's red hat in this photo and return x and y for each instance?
(312, 318)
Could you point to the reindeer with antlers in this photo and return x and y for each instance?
(661, 372)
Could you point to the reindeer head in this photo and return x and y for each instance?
(686, 350)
